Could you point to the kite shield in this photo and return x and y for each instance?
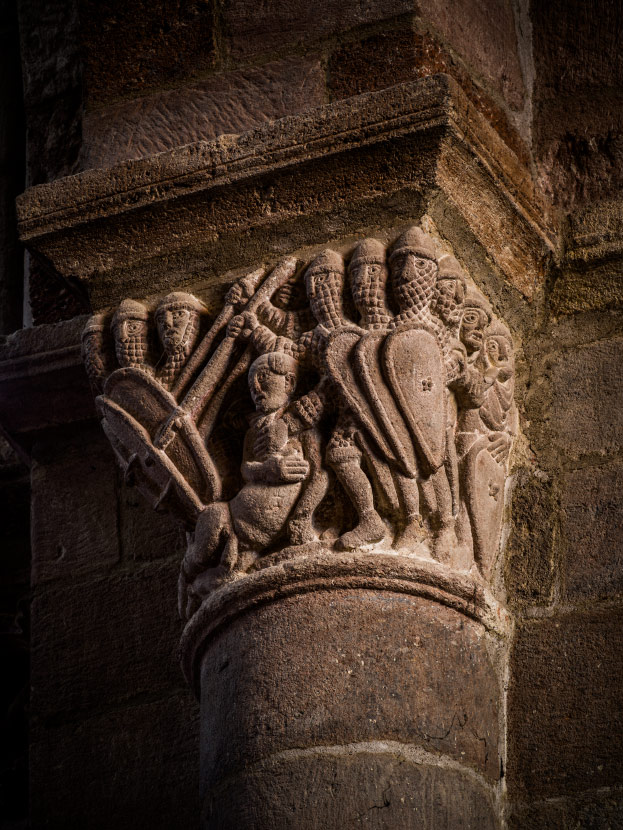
(133, 407)
(413, 365)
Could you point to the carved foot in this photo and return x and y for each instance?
(412, 537)
(301, 532)
(445, 544)
(369, 530)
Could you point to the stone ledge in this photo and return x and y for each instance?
(152, 220)
(370, 570)
(43, 382)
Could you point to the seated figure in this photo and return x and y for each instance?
(229, 534)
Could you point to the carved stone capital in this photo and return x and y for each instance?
(361, 400)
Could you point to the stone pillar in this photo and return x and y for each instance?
(333, 431)
(347, 689)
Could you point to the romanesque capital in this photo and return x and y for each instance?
(349, 403)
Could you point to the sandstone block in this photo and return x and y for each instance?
(146, 535)
(529, 571)
(103, 641)
(131, 47)
(52, 75)
(484, 34)
(592, 546)
(228, 103)
(253, 30)
(587, 388)
(128, 767)
(565, 719)
(74, 507)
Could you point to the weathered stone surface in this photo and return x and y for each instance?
(565, 719)
(591, 276)
(132, 47)
(42, 380)
(595, 232)
(228, 103)
(599, 288)
(252, 30)
(12, 170)
(529, 570)
(382, 667)
(587, 385)
(592, 545)
(578, 104)
(74, 507)
(375, 786)
(483, 33)
(296, 179)
(144, 534)
(405, 53)
(104, 641)
(132, 766)
(598, 810)
(52, 76)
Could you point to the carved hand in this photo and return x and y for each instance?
(272, 437)
(174, 422)
(500, 446)
(242, 325)
(238, 294)
(286, 469)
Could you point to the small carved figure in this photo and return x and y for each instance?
(449, 294)
(483, 438)
(95, 353)
(474, 320)
(424, 343)
(131, 332)
(177, 318)
(257, 517)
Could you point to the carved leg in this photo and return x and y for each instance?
(370, 527)
(411, 534)
(300, 524)
(452, 470)
(444, 543)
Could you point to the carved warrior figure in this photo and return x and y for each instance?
(130, 330)
(177, 317)
(272, 480)
(408, 404)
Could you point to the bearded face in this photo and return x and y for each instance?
(368, 280)
(497, 356)
(131, 342)
(324, 290)
(414, 281)
(178, 328)
(473, 324)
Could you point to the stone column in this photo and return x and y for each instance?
(349, 689)
(334, 434)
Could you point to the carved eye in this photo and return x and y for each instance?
(470, 317)
(420, 262)
(374, 269)
(133, 326)
(179, 315)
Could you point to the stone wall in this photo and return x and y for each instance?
(114, 727)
